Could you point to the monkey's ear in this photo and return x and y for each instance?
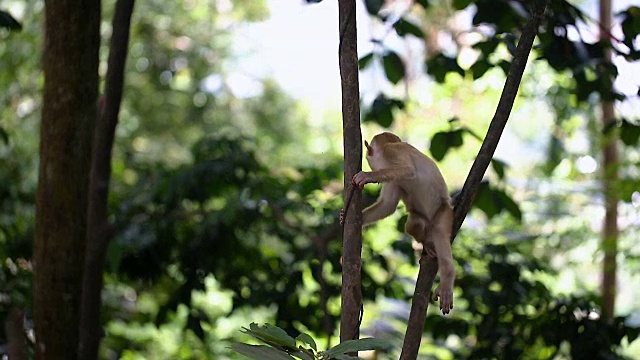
(369, 148)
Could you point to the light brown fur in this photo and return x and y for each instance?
(409, 175)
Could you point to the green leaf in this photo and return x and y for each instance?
(270, 334)
(443, 141)
(364, 61)
(461, 4)
(381, 110)
(498, 167)
(260, 352)
(487, 47)
(374, 6)
(356, 345)
(629, 133)
(4, 136)
(480, 68)
(507, 203)
(425, 3)
(7, 21)
(307, 339)
(440, 65)
(455, 138)
(393, 67)
(439, 146)
(625, 188)
(484, 200)
(404, 27)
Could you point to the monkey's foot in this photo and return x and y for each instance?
(446, 299)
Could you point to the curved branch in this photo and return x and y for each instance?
(464, 200)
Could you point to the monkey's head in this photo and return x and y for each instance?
(379, 141)
(374, 150)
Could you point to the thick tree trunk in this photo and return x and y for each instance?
(98, 227)
(70, 61)
(609, 179)
(352, 234)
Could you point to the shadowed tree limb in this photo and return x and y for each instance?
(99, 230)
(463, 202)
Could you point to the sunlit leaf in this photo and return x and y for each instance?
(270, 334)
(307, 339)
(260, 352)
(356, 345)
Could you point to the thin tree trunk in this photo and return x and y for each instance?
(428, 267)
(609, 179)
(70, 61)
(98, 228)
(352, 234)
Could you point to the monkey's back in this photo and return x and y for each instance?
(428, 183)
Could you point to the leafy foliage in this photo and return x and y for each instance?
(516, 315)
(7, 21)
(283, 346)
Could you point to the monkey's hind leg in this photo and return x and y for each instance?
(440, 237)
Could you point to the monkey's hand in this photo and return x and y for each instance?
(362, 178)
(446, 298)
(342, 211)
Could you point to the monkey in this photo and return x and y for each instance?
(409, 175)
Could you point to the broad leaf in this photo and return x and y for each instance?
(270, 334)
(356, 345)
(374, 6)
(7, 21)
(440, 65)
(381, 110)
(498, 167)
(364, 61)
(260, 352)
(393, 67)
(404, 27)
(306, 339)
(629, 133)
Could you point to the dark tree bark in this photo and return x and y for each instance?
(14, 329)
(70, 62)
(609, 179)
(98, 227)
(352, 137)
(463, 202)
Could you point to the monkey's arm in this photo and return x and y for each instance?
(385, 205)
(384, 175)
